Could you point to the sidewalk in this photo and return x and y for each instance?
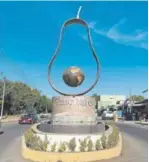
(10, 119)
(141, 122)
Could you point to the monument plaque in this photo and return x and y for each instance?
(65, 104)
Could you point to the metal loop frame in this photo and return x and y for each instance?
(67, 23)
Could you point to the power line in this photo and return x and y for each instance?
(145, 91)
(15, 67)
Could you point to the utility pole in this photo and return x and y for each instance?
(130, 93)
(130, 96)
(146, 105)
(46, 108)
(3, 96)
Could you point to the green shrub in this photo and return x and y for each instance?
(72, 145)
(109, 141)
(98, 145)
(29, 134)
(44, 144)
(113, 137)
(104, 141)
(90, 145)
(34, 142)
(62, 147)
(53, 147)
(83, 145)
(115, 132)
(31, 139)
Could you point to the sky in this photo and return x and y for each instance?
(29, 33)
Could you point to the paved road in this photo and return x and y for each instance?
(135, 130)
(12, 132)
(135, 143)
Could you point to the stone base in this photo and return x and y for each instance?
(72, 120)
(73, 110)
(72, 129)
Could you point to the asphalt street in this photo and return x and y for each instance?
(136, 131)
(11, 132)
(135, 143)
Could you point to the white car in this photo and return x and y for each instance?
(107, 115)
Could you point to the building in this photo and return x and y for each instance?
(110, 100)
(141, 108)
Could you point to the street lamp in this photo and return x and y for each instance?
(3, 96)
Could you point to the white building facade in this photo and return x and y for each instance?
(110, 100)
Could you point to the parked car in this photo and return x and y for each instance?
(28, 119)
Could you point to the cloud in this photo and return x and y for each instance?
(136, 39)
(84, 37)
(92, 24)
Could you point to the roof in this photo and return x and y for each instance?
(142, 102)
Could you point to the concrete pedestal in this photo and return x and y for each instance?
(73, 110)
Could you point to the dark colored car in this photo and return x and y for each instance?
(28, 119)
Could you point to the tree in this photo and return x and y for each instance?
(97, 98)
(19, 97)
(136, 98)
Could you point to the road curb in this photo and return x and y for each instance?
(9, 121)
(141, 123)
(41, 156)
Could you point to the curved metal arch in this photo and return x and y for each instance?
(67, 23)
